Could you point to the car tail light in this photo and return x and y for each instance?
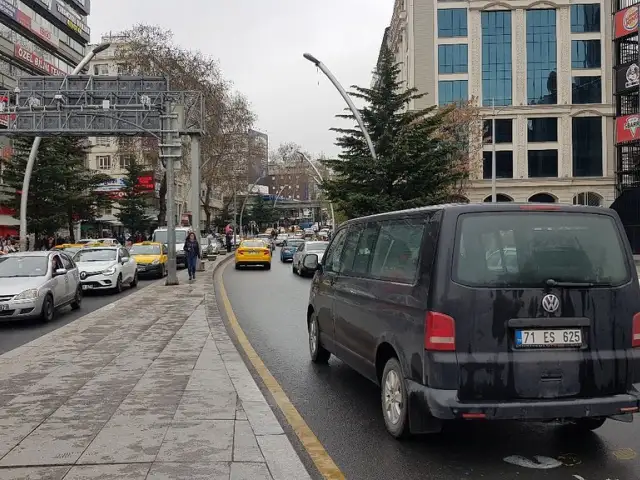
(240, 252)
(440, 332)
(635, 332)
(267, 251)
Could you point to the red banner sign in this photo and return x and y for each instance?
(33, 59)
(626, 22)
(146, 183)
(628, 128)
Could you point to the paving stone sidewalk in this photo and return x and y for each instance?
(148, 387)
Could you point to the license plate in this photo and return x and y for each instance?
(569, 337)
(87, 287)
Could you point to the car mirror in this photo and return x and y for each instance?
(124, 260)
(310, 262)
(60, 271)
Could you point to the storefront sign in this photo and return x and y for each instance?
(628, 128)
(73, 21)
(33, 59)
(8, 9)
(146, 183)
(626, 22)
(627, 77)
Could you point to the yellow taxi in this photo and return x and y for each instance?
(70, 248)
(253, 252)
(151, 258)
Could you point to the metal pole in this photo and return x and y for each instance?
(494, 196)
(34, 153)
(346, 98)
(319, 175)
(172, 270)
(244, 203)
(195, 190)
(235, 217)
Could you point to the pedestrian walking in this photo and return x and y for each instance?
(192, 249)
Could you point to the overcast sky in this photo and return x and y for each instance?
(259, 44)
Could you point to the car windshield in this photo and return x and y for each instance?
(145, 250)
(19, 266)
(316, 246)
(160, 236)
(294, 243)
(96, 255)
(530, 249)
(253, 244)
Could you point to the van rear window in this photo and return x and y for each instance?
(527, 249)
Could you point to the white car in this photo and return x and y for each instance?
(303, 250)
(106, 268)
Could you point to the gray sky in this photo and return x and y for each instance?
(259, 44)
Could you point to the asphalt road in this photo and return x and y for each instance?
(343, 409)
(16, 333)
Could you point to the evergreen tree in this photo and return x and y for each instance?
(262, 212)
(62, 189)
(134, 202)
(416, 165)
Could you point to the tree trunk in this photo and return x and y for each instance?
(162, 208)
(71, 224)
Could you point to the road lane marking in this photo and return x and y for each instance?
(539, 462)
(323, 462)
(625, 454)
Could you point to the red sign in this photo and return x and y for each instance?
(23, 19)
(33, 59)
(626, 22)
(628, 128)
(146, 183)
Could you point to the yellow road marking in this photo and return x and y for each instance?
(323, 462)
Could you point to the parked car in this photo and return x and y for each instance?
(307, 248)
(106, 268)
(35, 284)
(417, 302)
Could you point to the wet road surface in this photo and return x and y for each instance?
(16, 333)
(343, 409)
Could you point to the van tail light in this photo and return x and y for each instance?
(635, 332)
(440, 332)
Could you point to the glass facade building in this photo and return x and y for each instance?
(496, 58)
(542, 81)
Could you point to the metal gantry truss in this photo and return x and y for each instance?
(82, 105)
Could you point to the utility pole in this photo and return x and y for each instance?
(494, 196)
(235, 216)
(170, 150)
(196, 185)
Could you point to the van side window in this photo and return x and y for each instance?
(364, 250)
(397, 251)
(350, 248)
(332, 256)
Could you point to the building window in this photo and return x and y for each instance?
(452, 91)
(125, 161)
(504, 164)
(586, 90)
(542, 130)
(496, 58)
(453, 59)
(585, 18)
(103, 212)
(585, 54)
(543, 163)
(587, 146)
(452, 22)
(591, 199)
(504, 130)
(104, 162)
(103, 141)
(101, 69)
(541, 57)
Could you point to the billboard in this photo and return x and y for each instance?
(625, 22)
(146, 183)
(34, 60)
(70, 19)
(627, 77)
(628, 128)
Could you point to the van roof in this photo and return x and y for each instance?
(484, 207)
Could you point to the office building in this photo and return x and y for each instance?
(542, 69)
(37, 37)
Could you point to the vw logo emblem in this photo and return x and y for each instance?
(83, 275)
(550, 303)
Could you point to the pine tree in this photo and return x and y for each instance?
(62, 189)
(416, 165)
(134, 202)
(262, 212)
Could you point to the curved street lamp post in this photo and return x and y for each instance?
(34, 153)
(244, 202)
(319, 181)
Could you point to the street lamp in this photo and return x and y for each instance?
(346, 98)
(494, 195)
(319, 181)
(34, 152)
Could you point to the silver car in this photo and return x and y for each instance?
(35, 284)
(303, 250)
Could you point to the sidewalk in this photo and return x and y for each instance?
(147, 387)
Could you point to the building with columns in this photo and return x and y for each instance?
(542, 68)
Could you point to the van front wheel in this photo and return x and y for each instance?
(394, 400)
(589, 423)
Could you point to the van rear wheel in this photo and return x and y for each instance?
(318, 353)
(394, 400)
(589, 423)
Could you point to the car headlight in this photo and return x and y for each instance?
(27, 294)
(109, 271)
(155, 262)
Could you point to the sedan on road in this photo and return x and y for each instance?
(253, 253)
(106, 268)
(307, 248)
(289, 248)
(35, 284)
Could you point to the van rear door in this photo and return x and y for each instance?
(543, 301)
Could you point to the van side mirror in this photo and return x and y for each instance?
(311, 262)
